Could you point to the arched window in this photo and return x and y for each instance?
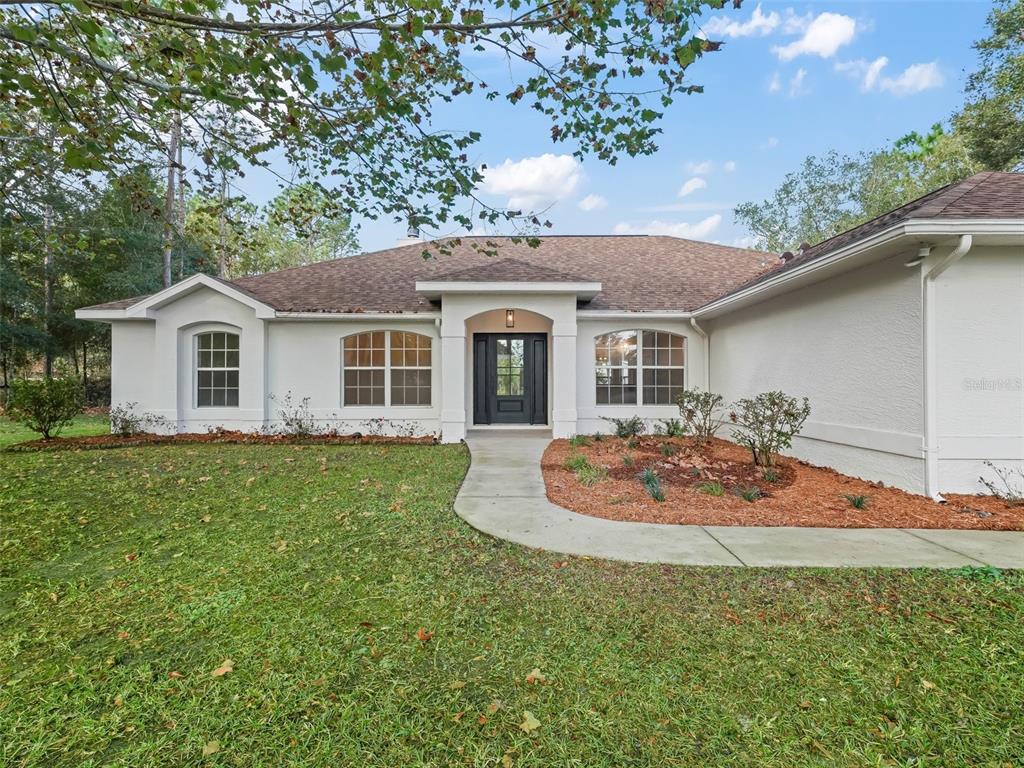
(639, 367)
(216, 369)
(381, 368)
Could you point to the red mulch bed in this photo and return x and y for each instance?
(801, 495)
(222, 437)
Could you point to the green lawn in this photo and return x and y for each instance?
(130, 575)
(86, 424)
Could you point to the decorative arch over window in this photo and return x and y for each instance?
(382, 368)
(217, 363)
(639, 367)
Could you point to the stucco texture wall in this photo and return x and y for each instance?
(980, 364)
(852, 344)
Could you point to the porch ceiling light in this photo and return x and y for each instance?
(510, 318)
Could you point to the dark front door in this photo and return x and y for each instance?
(510, 378)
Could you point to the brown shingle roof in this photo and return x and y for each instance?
(504, 270)
(636, 273)
(987, 195)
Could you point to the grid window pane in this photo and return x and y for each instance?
(615, 358)
(217, 363)
(410, 368)
(664, 357)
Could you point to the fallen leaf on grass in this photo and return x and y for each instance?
(205, 518)
(130, 557)
(175, 675)
(455, 685)
(530, 723)
(928, 685)
(226, 666)
(805, 704)
(506, 760)
(494, 706)
(211, 748)
(458, 716)
(423, 635)
(536, 676)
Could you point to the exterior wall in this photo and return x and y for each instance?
(305, 361)
(979, 324)
(852, 345)
(132, 359)
(594, 418)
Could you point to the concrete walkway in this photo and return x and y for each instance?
(503, 495)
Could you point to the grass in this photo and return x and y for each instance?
(711, 488)
(86, 424)
(856, 501)
(749, 493)
(128, 576)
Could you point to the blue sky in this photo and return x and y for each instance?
(792, 79)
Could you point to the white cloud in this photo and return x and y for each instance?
(796, 85)
(775, 84)
(702, 168)
(824, 35)
(914, 79)
(770, 143)
(691, 185)
(697, 231)
(592, 203)
(758, 24)
(729, 166)
(534, 182)
(746, 241)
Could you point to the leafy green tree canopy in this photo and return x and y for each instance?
(343, 91)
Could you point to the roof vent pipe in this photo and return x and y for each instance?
(412, 233)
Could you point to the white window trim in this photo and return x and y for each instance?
(639, 368)
(196, 368)
(387, 370)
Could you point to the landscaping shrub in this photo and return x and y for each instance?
(628, 461)
(579, 441)
(711, 488)
(576, 462)
(770, 475)
(125, 421)
(670, 428)
(856, 501)
(45, 406)
(1006, 486)
(667, 449)
(589, 475)
(767, 423)
(748, 492)
(652, 484)
(701, 413)
(630, 427)
(296, 418)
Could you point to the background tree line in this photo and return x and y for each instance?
(831, 193)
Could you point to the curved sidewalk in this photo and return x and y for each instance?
(503, 495)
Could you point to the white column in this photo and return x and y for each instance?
(453, 380)
(563, 359)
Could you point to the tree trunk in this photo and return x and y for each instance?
(180, 212)
(221, 226)
(47, 291)
(168, 240)
(85, 365)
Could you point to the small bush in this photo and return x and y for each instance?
(701, 412)
(749, 493)
(45, 406)
(591, 475)
(767, 423)
(125, 421)
(628, 461)
(670, 428)
(598, 437)
(576, 462)
(668, 449)
(1008, 485)
(296, 418)
(856, 501)
(652, 484)
(712, 488)
(579, 441)
(630, 427)
(770, 475)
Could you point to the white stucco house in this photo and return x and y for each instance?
(906, 334)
